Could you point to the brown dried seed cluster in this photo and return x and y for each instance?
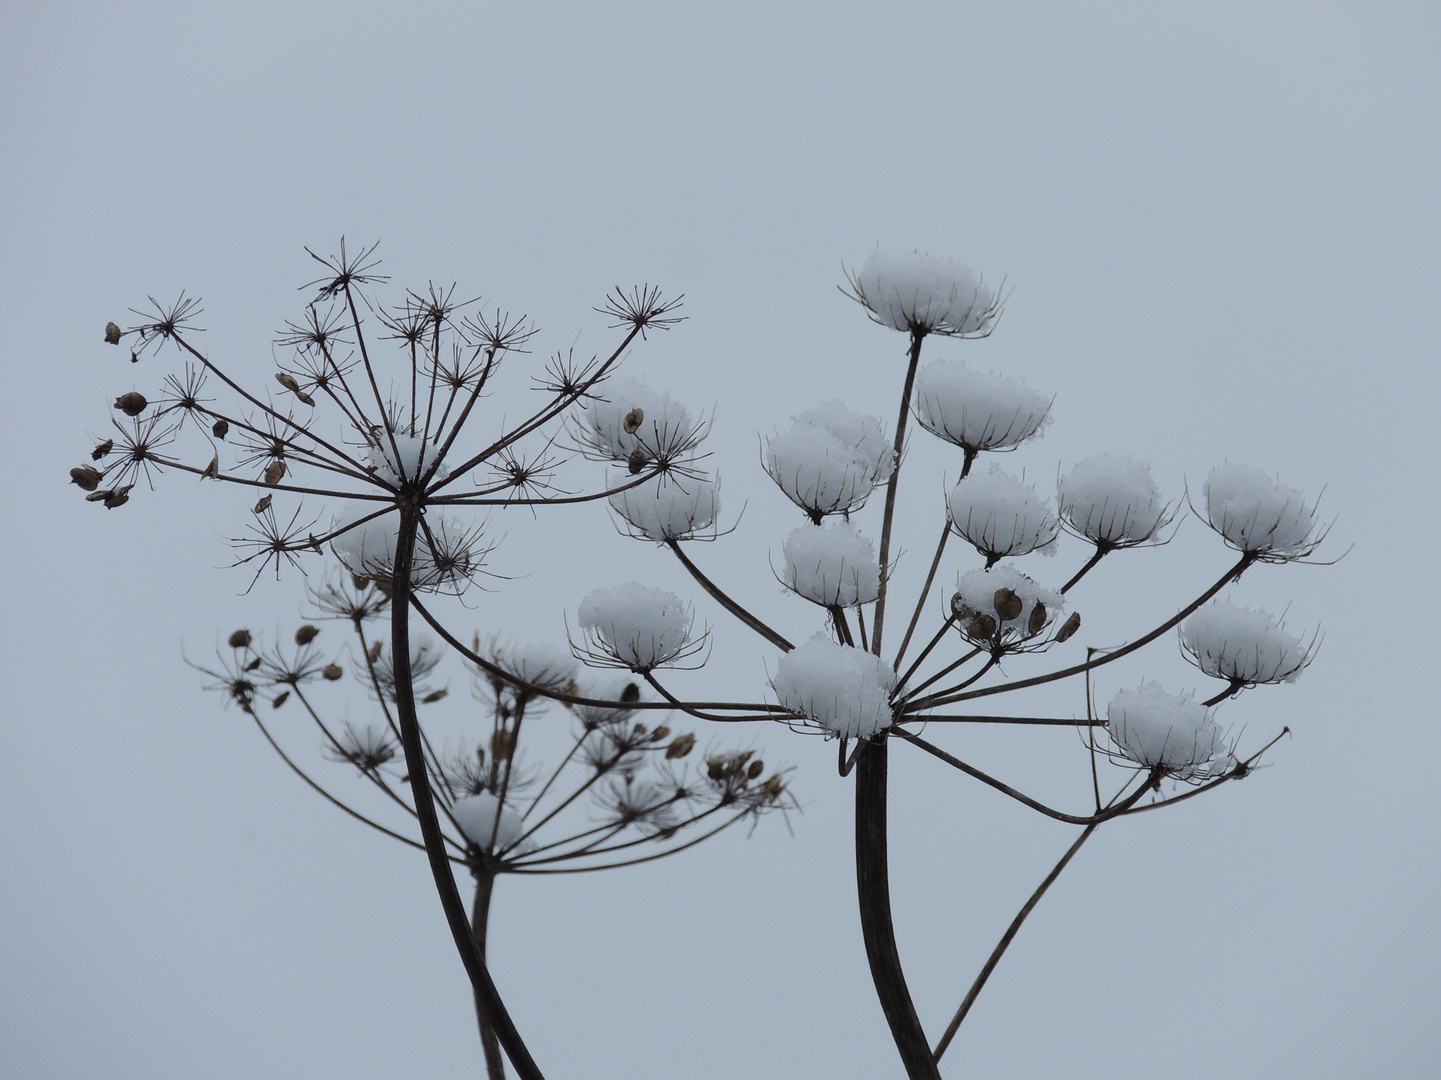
(633, 420)
(131, 404)
(680, 746)
(636, 462)
(86, 477)
(1069, 627)
(1007, 604)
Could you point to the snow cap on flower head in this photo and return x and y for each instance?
(915, 292)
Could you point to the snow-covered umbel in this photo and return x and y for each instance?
(1002, 515)
(911, 291)
(639, 627)
(665, 427)
(538, 663)
(1112, 501)
(978, 410)
(976, 595)
(1242, 646)
(830, 459)
(1257, 514)
(382, 459)
(475, 814)
(616, 687)
(670, 507)
(1157, 729)
(831, 565)
(845, 690)
(448, 553)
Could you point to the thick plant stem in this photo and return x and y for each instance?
(486, 995)
(873, 886)
(479, 920)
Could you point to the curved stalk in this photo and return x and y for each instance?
(487, 998)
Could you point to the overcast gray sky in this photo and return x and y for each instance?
(1219, 222)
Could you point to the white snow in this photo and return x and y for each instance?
(538, 663)
(830, 459)
(454, 559)
(638, 626)
(832, 565)
(606, 688)
(1257, 514)
(978, 410)
(1112, 500)
(411, 447)
(1242, 645)
(1154, 728)
(1002, 515)
(670, 507)
(977, 590)
(845, 690)
(475, 814)
(908, 290)
(667, 425)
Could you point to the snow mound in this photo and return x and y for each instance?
(669, 507)
(1002, 515)
(475, 814)
(1112, 501)
(978, 410)
(1157, 729)
(830, 459)
(1242, 645)
(911, 291)
(639, 627)
(831, 565)
(845, 690)
(1259, 515)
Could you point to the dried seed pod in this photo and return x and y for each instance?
(362, 583)
(1037, 621)
(118, 498)
(254, 664)
(375, 649)
(101, 449)
(774, 786)
(958, 606)
(304, 398)
(636, 462)
(274, 472)
(434, 696)
(715, 768)
(502, 744)
(680, 746)
(287, 380)
(332, 672)
(755, 769)
(262, 506)
(981, 626)
(639, 729)
(630, 694)
(1069, 627)
(220, 428)
(212, 471)
(240, 639)
(306, 634)
(131, 404)
(112, 333)
(280, 699)
(99, 496)
(659, 733)
(86, 477)
(1007, 604)
(633, 420)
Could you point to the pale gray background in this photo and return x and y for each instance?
(1220, 224)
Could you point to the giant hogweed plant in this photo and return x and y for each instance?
(374, 412)
(1150, 749)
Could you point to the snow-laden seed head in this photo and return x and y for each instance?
(1243, 646)
(923, 294)
(1001, 515)
(635, 627)
(1166, 731)
(1112, 501)
(830, 459)
(670, 507)
(477, 817)
(663, 430)
(843, 690)
(831, 565)
(1258, 515)
(1000, 606)
(978, 410)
